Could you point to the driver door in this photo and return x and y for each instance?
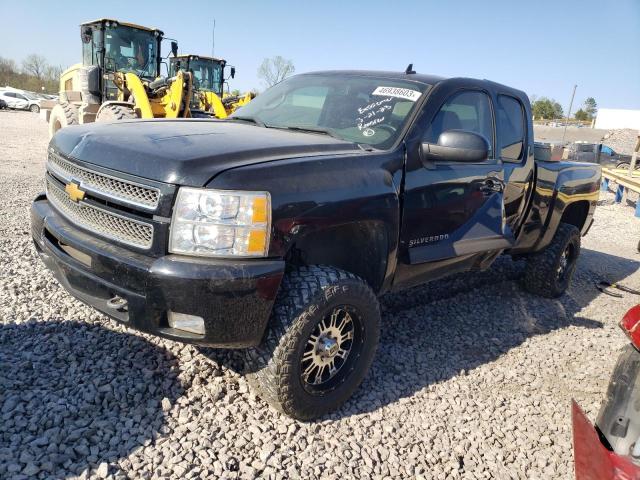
(453, 211)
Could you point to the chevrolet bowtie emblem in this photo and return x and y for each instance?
(74, 192)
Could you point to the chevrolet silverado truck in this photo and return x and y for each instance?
(276, 230)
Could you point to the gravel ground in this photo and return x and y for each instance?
(473, 377)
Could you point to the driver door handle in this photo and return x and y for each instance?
(491, 186)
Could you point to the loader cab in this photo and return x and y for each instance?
(114, 46)
(208, 72)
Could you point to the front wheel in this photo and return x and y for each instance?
(320, 342)
(115, 113)
(548, 273)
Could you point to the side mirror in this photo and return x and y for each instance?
(174, 48)
(233, 72)
(456, 146)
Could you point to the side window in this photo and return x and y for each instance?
(510, 128)
(467, 110)
(10, 94)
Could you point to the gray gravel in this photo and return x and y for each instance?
(473, 377)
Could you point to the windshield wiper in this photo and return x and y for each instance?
(324, 131)
(254, 120)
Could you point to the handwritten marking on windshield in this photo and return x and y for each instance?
(373, 105)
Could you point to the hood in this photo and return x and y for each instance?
(188, 152)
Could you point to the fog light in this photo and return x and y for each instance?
(187, 323)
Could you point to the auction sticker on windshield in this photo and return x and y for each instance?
(406, 93)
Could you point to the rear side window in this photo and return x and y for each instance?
(9, 94)
(468, 110)
(510, 128)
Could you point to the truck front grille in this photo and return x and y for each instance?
(103, 222)
(116, 188)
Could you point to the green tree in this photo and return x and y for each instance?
(591, 107)
(581, 115)
(547, 109)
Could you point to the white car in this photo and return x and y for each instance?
(20, 101)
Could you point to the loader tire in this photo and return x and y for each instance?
(62, 115)
(548, 273)
(320, 342)
(115, 113)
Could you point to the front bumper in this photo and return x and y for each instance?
(606, 452)
(234, 297)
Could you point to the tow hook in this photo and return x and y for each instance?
(118, 303)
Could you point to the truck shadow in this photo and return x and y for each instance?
(437, 331)
(67, 403)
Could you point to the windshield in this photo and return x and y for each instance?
(131, 50)
(207, 75)
(360, 109)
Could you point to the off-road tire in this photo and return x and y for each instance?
(34, 109)
(542, 276)
(306, 296)
(62, 115)
(115, 113)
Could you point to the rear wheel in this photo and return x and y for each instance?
(62, 115)
(320, 342)
(115, 113)
(548, 273)
(34, 108)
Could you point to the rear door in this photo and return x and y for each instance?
(10, 98)
(453, 212)
(516, 156)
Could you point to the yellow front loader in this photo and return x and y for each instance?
(119, 78)
(208, 96)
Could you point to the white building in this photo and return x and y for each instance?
(611, 118)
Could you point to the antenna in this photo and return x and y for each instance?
(410, 69)
(213, 39)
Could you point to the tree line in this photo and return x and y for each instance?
(33, 74)
(544, 108)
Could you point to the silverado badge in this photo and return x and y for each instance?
(74, 192)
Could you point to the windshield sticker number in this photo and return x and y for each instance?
(405, 93)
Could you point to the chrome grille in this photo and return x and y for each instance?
(105, 223)
(116, 188)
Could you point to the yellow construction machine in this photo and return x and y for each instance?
(119, 78)
(209, 97)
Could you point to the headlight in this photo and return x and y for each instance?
(220, 223)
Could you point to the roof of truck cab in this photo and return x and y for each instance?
(126, 24)
(418, 77)
(200, 57)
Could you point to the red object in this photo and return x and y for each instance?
(631, 325)
(593, 461)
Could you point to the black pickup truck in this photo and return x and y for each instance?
(276, 230)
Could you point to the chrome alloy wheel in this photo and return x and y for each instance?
(330, 349)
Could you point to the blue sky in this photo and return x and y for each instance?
(542, 47)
